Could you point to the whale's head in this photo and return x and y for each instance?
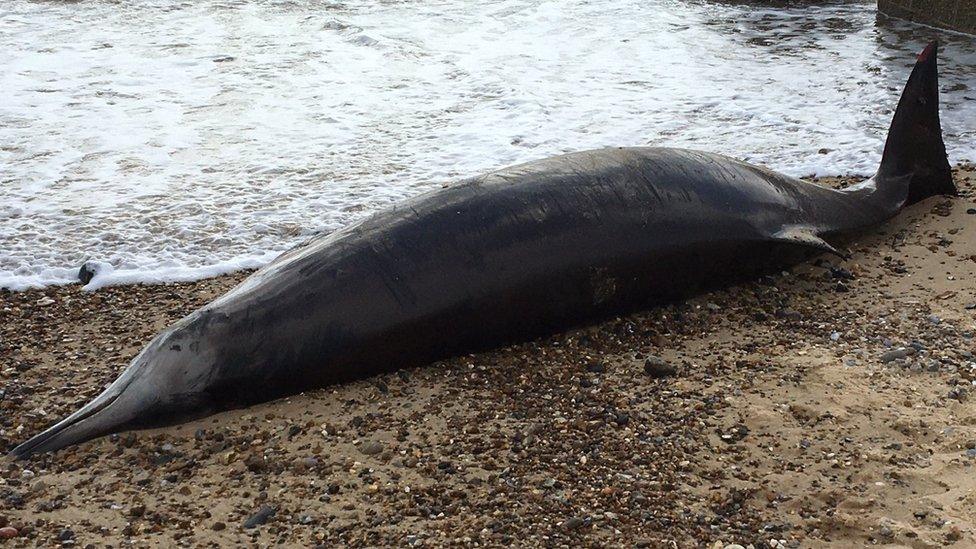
(169, 380)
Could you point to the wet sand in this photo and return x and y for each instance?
(827, 406)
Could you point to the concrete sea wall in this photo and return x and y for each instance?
(958, 15)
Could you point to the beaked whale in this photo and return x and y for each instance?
(506, 256)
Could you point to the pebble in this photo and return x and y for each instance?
(218, 526)
(596, 367)
(895, 354)
(657, 367)
(371, 448)
(573, 523)
(260, 517)
(8, 532)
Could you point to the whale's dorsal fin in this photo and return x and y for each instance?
(805, 236)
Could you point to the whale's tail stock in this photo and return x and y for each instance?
(914, 150)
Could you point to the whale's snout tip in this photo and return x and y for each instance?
(103, 415)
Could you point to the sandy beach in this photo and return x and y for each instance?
(827, 406)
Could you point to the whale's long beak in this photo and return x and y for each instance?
(105, 414)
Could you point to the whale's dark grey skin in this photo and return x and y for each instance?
(506, 256)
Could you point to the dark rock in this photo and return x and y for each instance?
(66, 534)
(895, 354)
(788, 314)
(658, 368)
(260, 517)
(621, 419)
(8, 532)
(87, 272)
(218, 526)
(841, 273)
(596, 367)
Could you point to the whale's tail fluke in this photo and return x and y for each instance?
(914, 149)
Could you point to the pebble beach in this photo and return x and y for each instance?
(825, 406)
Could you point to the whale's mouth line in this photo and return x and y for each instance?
(27, 448)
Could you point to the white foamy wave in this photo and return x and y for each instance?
(173, 141)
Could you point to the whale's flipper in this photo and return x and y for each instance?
(914, 150)
(805, 236)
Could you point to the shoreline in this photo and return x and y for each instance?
(797, 414)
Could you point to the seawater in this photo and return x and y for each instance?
(170, 140)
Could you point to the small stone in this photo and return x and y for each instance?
(788, 314)
(895, 354)
(841, 273)
(596, 367)
(45, 301)
(137, 511)
(371, 448)
(657, 367)
(260, 517)
(971, 211)
(8, 532)
(66, 534)
(218, 526)
(573, 523)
